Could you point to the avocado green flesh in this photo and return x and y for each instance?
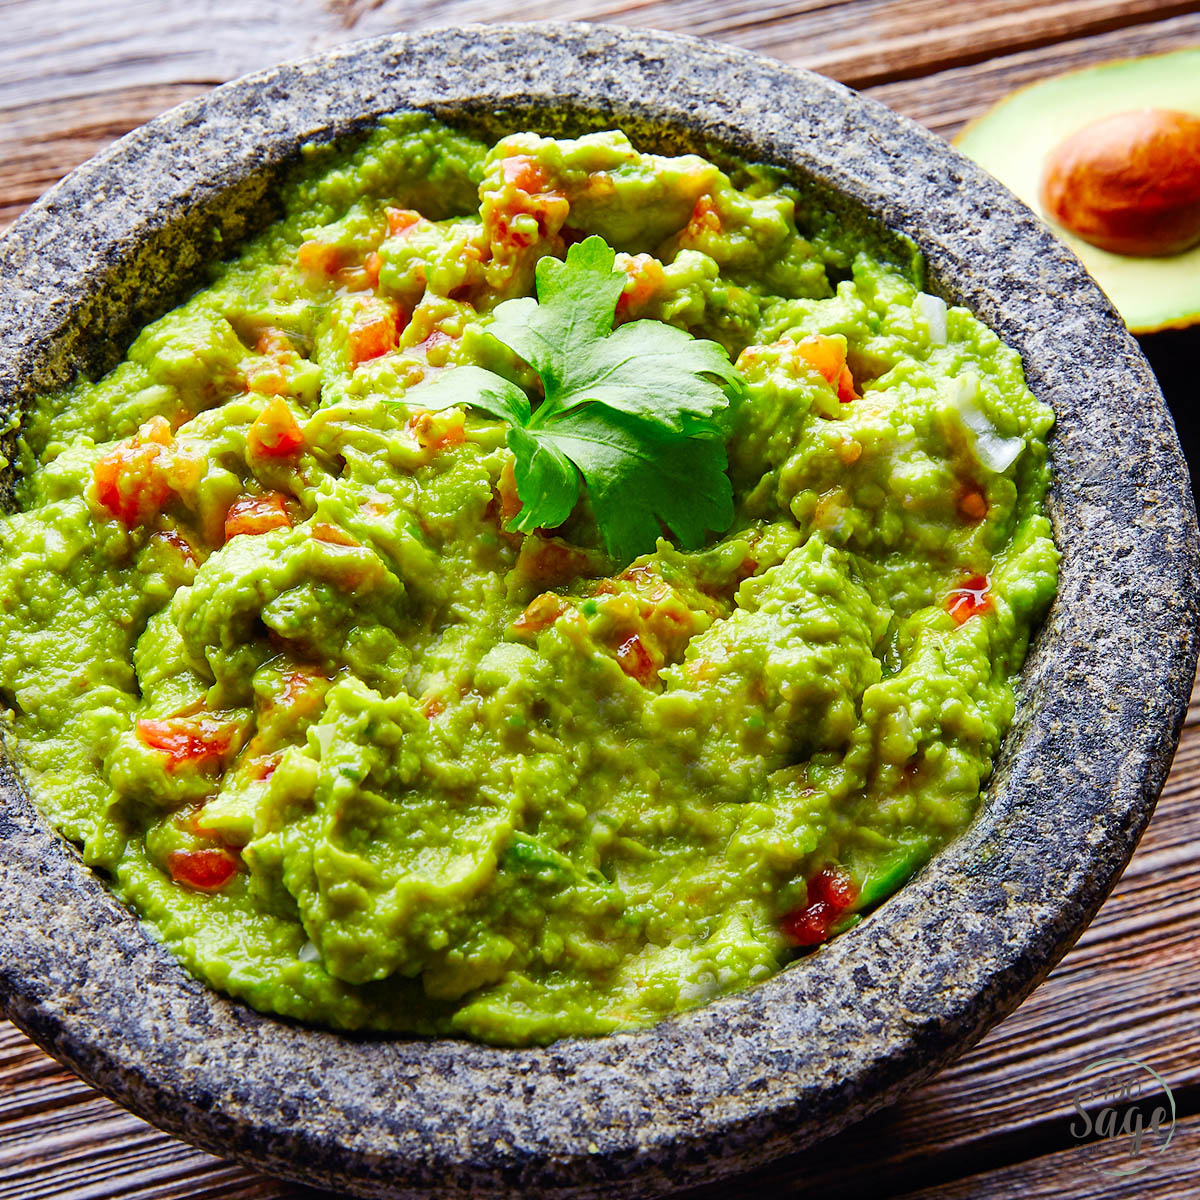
(1014, 139)
(470, 782)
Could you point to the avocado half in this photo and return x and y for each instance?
(1014, 138)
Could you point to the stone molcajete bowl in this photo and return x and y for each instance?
(838, 1034)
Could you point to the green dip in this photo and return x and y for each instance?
(358, 754)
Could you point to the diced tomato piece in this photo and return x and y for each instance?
(433, 707)
(437, 430)
(827, 355)
(526, 191)
(525, 173)
(541, 612)
(275, 432)
(187, 740)
(645, 279)
(256, 514)
(156, 430)
(504, 232)
(273, 342)
(321, 258)
(371, 267)
(323, 531)
(131, 480)
(845, 386)
(704, 218)
(824, 353)
(834, 887)
(206, 870)
(374, 332)
(972, 504)
(969, 599)
(400, 219)
(635, 660)
(510, 502)
(831, 892)
(808, 926)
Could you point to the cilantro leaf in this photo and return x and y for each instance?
(635, 482)
(636, 411)
(474, 386)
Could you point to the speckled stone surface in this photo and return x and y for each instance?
(831, 1038)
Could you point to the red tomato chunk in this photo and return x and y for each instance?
(256, 514)
(523, 172)
(830, 893)
(131, 479)
(635, 660)
(400, 219)
(827, 355)
(206, 870)
(192, 740)
(541, 612)
(374, 333)
(970, 599)
(275, 432)
(705, 218)
(320, 258)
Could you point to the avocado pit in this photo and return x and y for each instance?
(1129, 183)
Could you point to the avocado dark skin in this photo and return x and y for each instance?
(1174, 353)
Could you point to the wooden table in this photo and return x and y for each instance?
(74, 74)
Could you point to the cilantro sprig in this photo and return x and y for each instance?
(635, 412)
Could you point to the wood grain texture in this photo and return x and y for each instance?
(74, 74)
(55, 49)
(947, 99)
(1173, 1176)
(41, 142)
(64, 98)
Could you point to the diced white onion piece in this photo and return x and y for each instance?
(933, 309)
(308, 953)
(993, 450)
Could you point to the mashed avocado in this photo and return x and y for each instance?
(360, 754)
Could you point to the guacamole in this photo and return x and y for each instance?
(360, 753)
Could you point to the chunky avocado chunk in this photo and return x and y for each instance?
(1014, 140)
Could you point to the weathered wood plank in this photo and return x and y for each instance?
(74, 109)
(65, 48)
(946, 100)
(40, 143)
(1175, 1175)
